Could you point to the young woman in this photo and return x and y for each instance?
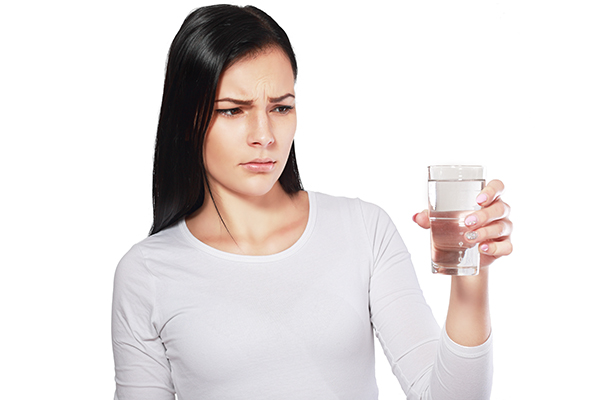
(250, 287)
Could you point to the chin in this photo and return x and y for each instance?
(255, 187)
(261, 190)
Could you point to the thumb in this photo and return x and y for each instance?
(422, 219)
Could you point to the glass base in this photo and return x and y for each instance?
(457, 271)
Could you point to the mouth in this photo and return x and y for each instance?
(259, 165)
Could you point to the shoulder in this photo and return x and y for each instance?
(132, 269)
(134, 264)
(352, 215)
(355, 218)
(366, 210)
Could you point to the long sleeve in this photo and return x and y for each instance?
(428, 365)
(142, 370)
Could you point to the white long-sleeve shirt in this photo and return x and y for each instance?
(206, 324)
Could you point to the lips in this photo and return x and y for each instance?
(259, 165)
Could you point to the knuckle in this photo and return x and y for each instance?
(507, 209)
(504, 229)
(496, 188)
(484, 213)
(509, 227)
(482, 234)
(500, 185)
(489, 213)
(499, 208)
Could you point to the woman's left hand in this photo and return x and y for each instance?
(489, 227)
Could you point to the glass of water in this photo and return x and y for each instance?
(452, 193)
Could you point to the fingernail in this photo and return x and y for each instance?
(471, 220)
(485, 248)
(415, 217)
(471, 235)
(482, 198)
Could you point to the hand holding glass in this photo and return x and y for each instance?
(452, 193)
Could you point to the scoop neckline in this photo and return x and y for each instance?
(200, 245)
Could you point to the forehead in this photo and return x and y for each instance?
(268, 72)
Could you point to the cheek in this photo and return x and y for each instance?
(216, 151)
(212, 146)
(287, 132)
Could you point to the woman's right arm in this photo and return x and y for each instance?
(427, 363)
(142, 369)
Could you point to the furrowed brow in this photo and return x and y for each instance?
(249, 102)
(281, 98)
(236, 101)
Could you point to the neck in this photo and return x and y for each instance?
(246, 215)
(243, 224)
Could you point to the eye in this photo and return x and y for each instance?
(283, 109)
(229, 112)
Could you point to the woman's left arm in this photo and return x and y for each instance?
(468, 321)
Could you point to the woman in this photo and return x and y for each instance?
(251, 287)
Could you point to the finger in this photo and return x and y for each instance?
(490, 193)
(496, 211)
(422, 219)
(493, 231)
(496, 249)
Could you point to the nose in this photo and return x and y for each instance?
(261, 132)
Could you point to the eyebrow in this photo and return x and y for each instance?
(249, 102)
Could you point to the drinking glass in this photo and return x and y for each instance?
(452, 193)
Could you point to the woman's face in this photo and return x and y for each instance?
(253, 125)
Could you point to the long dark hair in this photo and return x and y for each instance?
(210, 39)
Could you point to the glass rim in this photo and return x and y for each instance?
(455, 166)
(455, 172)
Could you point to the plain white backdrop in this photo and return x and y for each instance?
(385, 88)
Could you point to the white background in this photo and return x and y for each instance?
(385, 88)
